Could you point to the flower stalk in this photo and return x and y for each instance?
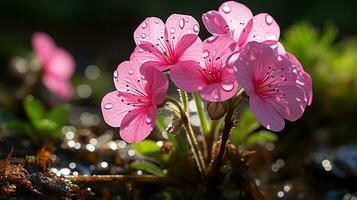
(191, 137)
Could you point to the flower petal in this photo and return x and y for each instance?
(114, 108)
(43, 46)
(219, 47)
(61, 88)
(253, 63)
(61, 64)
(157, 83)
(291, 104)
(266, 114)
(177, 26)
(150, 30)
(303, 78)
(189, 48)
(138, 124)
(128, 78)
(215, 23)
(265, 29)
(143, 56)
(237, 17)
(219, 92)
(187, 75)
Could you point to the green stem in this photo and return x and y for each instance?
(197, 154)
(206, 128)
(183, 99)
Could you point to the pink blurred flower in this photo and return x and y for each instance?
(213, 76)
(270, 82)
(165, 45)
(133, 106)
(57, 65)
(303, 78)
(236, 20)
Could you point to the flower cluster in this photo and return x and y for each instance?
(243, 53)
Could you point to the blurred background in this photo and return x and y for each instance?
(321, 33)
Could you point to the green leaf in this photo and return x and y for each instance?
(59, 114)
(34, 109)
(261, 136)
(46, 126)
(246, 125)
(148, 167)
(147, 148)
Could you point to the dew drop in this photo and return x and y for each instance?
(226, 8)
(215, 96)
(143, 35)
(115, 74)
(137, 36)
(270, 36)
(227, 85)
(205, 54)
(142, 77)
(148, 120)
(172, 30)
(196, 28)
(182, 23)
(187, 20)
(268, 19)
(140, 50)
(156, 21)
(144, 25)
(131, 72)
(108, 106)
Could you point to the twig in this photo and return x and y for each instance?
(117, 178)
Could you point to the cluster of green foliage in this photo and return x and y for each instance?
(332, 64)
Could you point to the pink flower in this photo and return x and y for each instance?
(133, 106)
(236, 20)
(270, 82)
(213, 77)
(303, 78)
(57, 65)
(166, 45)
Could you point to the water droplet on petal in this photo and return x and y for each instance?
(268, 19)
(115, 74)
(156, 21)
(187, 20)
(182, 23)
(137, 36)
(270, 36)
(144, 25)
(226, 8)
(196, 28)
(205, 54)
(143, 35)
(227, 85)
(172, 30)
(108, 106)
(140, 50)
(215, 96)
(131, 72)
(142, 77)
(148, 120)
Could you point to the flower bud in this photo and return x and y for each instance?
(215, 110)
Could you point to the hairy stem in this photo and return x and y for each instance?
(183, 99)
(191, 137)
(206, 128)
